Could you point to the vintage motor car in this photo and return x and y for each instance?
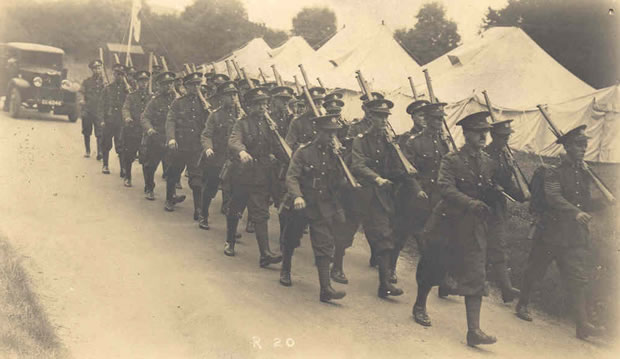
(32, 76)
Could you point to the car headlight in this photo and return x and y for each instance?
(37, 81)
(65, 84)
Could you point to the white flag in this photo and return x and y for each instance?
(136, 8)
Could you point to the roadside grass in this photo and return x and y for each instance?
(25, 331)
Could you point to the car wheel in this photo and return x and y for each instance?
(15, 103)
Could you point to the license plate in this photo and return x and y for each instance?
(51, 102)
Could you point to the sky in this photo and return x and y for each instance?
(278, 14)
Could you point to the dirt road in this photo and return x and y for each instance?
(121, 278)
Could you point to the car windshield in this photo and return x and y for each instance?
(39, 58)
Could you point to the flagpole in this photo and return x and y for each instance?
(129, 41)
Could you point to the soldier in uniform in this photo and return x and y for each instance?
(184, 125)
(497, 250)
(313, 180)
(254, 151)
(562, 235)
(214, 140)
(376, 166)
(153, 122)
(468, 192)
(278, 108)
(425, 151)
(91, 93)
(301, 129)
(417, 116)
(131, 130)
(113, 99)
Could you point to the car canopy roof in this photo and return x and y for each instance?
(27, 46)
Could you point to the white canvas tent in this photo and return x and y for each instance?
(249, 56)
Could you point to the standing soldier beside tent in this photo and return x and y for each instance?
(562, 203)
(91, 96)
(131, 130)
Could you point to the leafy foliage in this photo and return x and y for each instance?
(432, 36)
(581, 35)
(206, 30)
(314, 24)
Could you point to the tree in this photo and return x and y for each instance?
(580, 35)
(314, 24)
(432, 36)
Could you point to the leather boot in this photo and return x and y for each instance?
(393, 260)
(475, 336)
(206, 203)
(231, 229)
(385, 287)
(197, 194)
(99, 152)
(285, 270)
(337, 273)
(87, 146)
(121, 165)
(524, 298)
(373, 257)
(262, 237)
(419, 308)
(509, 293)
(327, 292)
(105, 169)
(249, 227)
(584, 328)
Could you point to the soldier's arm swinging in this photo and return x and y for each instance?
(447, 184)
(207, 134)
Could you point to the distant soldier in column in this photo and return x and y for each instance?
(214, 140)
(184, 125)
(278, 107)
(425, 150)
(254, 150)
(468, 193)
(497, 248)
(314, 180)
(375, 165)
(153, 122)
(301, 129)
(91, 96)
(131, 131)
(562, 203)
(112, 104)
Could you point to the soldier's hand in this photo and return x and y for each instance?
(209, 152)
(151, 132)
(382, 181)
(422, 195)
(299, 203)
(480, 208)
(583, 218)
(245, 157)
(172, 144)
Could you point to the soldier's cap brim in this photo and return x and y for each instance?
(416, 106)
(327, 122)
(502, 127)
(475, 122)
(577, 133)
(166, 77)
(380, 106)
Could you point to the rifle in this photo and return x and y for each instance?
(105, 74)
(164, 63)
(337, 147)
(262, 76)
(187, 68)
(415, 94)
(150, 73)
(514, 166)
(299, 92)
(155, 62)
(205, 104)
(305, 76)
(276, 74)
(236, 65)
(598, 182)
(390, 134)
(127, 85)
(228, 69)
(433, 99)
(321, 83)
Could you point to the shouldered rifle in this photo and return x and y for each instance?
(155, 62)
(390, 134)
(286, 149)
(337, 147)
(105, 74)
(514, 166)
(598, 182)
(205, 104)
(413, 91)
(433, 99)
(276, 75)
(262, 76)
(164, 64)
(237, 70)
(304, 75)
(321, 83)
(299, 91)
(127, 85)
(150, 73)
(228, 69)
(247, 79)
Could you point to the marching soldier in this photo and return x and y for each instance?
(254, 151)
(376, 167)
(279, 110)
(497, 257)
(131, 131)
(153, 122)
(302, 129)
(214, 140)
(184, 125)
(563, 209)
(415, 110)
(313, 180)
(91, 95)
(425, 150)
(112, 103)
(468, 192)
